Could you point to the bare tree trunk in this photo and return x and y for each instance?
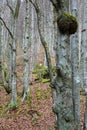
(75, 70)
(14, 94)
(3, 68)
(14, 8)
(26, 42)
(32, 43)
(84, 56)
(63, 103)
(1, 40)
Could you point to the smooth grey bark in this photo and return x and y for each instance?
(14, 8)
(63, 103)
(14, 93)
(26, 42)
(2, 49)
(75, 69)
(1, 37)
(31, 67)
(84, 57)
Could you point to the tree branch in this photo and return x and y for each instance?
(6, 27)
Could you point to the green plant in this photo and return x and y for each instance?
(46, 95)
(49, 89)
(48, 129)
(81, 89)
(39, 95)
(18, 111)
(42, 73)
(45, 80)
(12, 105)
(2, 109)
(29, 99)
(40, 113)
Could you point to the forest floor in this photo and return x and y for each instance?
(33, 114)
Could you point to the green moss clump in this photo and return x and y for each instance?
(42, 73)
(39, 94)
(12, 105)
(67, 24)
(45, 80)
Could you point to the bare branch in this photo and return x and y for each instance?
(6, 27)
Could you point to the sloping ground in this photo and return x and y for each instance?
(34, 114)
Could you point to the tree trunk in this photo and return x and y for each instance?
(63, 104)
(75, 70)
(26, 42)
(14, 8)
(84, 56)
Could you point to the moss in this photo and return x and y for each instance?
(13, 105)
(46, 95)
(81, 89)
(42, 73)
(45, 80)
(38, 95)
(40, 113)
(29, 99)
(67, 24)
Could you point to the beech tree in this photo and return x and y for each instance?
(75, 69)
(26, 42)
(62, 83)
(84, 56)
(14, 8)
